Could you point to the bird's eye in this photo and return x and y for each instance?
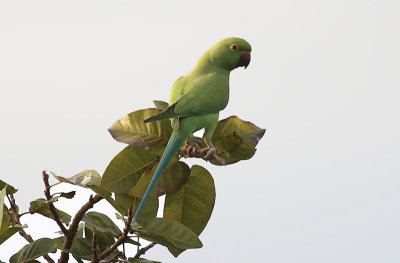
(234, 47)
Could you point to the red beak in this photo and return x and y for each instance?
(244, 60)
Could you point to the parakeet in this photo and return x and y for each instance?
(196, 100)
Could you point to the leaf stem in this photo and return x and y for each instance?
(143, 251)
(55, 184)
(24, 214)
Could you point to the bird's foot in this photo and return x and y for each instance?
(192, 148)
(210, 152)
(207, 153)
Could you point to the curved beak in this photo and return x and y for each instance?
(244, 60)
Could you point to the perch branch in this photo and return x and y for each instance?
(193, 150)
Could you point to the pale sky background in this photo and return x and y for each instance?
(323, 80)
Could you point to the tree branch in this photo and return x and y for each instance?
(15, 221)
(71, 232)
(10, 217)
(51, 205)
(13, 206)
(197, 154)
(120, 239)
(142, 251)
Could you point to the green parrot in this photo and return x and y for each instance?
(196, 100)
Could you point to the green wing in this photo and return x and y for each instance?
(168, 113)
(201, 95)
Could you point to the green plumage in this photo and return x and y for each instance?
(197, 98)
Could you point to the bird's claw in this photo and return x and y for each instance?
(207, 153)
(191, 148)
(212, 154)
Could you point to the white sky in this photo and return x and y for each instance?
(324, 82)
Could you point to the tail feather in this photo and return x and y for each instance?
(174, 143)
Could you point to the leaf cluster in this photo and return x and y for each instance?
(189, 195)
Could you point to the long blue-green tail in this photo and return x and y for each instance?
(174, 143)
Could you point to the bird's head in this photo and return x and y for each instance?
(231, 53)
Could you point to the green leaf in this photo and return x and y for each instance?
(125, 169)
(169, 233)
(119, 216)
(141, 260)
(10, 189)
(34, 250)
(68, 195)
(151, 136)
(80, 230)
(170, 180)
(6, 231)
(59, 241)
(135, 225)
(84, 178)
(54, 199)
(104, 239)
(105, 194)
(192, 204)
(236, 139)
(123, 201)
(149, 210)
(5, 223)
(2, 195)
(133, 242)
(99, 222)
(82, 248)
(78, 259)
(161, 105)
(40, 206)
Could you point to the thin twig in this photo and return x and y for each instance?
(10, 217)
(15, 221)
(120, 239)
(142, 251)
(13, 206)
(51, 205)
(24, 214)
(71, 232)
(94, 245)
(137, 246)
